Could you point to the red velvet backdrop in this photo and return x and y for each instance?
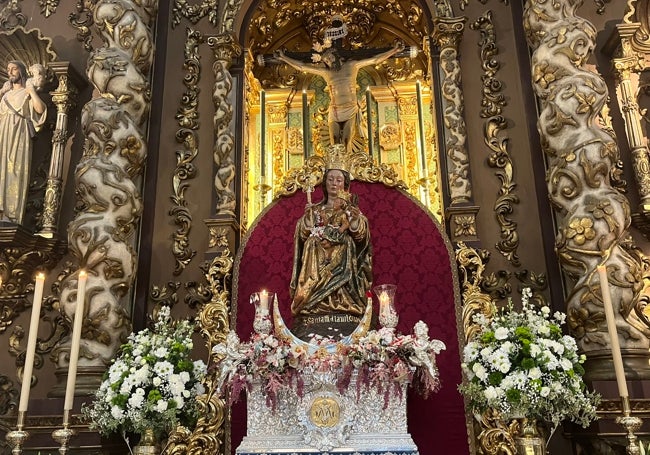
(410, 252)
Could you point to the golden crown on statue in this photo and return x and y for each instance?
(337, 157)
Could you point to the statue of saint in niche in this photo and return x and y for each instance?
(332, 265)
(22, 112)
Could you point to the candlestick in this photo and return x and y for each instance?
(31, 343)
(305, 125)
(263, 133)
(369, 115)
(76, 341)
(423, 152)
(613, 333)
(631, 424)
(63, 435)
(16, 438)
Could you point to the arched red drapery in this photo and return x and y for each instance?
(409, 251)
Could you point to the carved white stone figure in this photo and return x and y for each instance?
(21, 113)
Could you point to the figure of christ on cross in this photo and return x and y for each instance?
(340, 69)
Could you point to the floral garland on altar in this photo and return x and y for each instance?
(382, 360)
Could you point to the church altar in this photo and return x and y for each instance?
(326, 420)
(326, 395)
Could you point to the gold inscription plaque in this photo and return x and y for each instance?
(324, 412)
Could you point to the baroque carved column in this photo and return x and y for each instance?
(225, 48)
(447, 34)
(101, 236)
(64, 98)
(592, 216)
(631, 44)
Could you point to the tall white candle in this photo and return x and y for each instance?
(369, 115)
(423, 150)
(31, 343)
(76, 341)
(305, 125)
(264, 302)
(384, 300)
(263, 134)
(613, 333)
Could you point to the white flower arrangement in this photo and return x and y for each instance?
(522, 365)
(152, 384)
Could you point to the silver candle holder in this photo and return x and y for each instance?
(631, 425)
(63, 435)
(17, 437)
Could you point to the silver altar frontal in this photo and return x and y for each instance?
(324, 420)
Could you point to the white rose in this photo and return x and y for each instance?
(161, 406)
(491, 393)
(566, 364)
(117, 413)
(479, 371)
(535, 373)
(501, 333)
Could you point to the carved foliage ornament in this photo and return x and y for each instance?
(361, 166)
(187, 116)
(208, 435)
(82, 20)
(493, 103)
(276, 17)
(11, 15)
(20, 255)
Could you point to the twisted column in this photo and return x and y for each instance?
(592, 216)
(107, 184)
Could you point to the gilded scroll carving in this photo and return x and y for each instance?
(362, 167)
(601, 5)
(109, 199)
(593, 218)
(208, 435)
(48, 7)
(21, 254)
(11, 16)
(447, 34)
(194, 13)
(225, 48)
(464, 3)
(8, 395)
(82, 20)
(493, 103)
(187, 116)
(361, 19)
